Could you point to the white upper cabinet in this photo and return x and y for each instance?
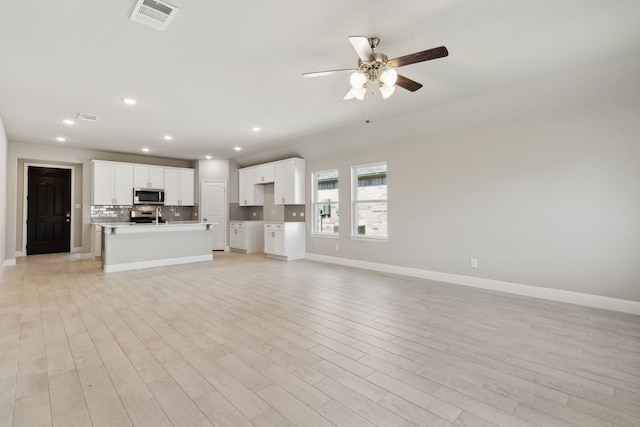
(145, 176)
(179, 187)
(287, 177)
(250, 194)
(263, 174)
(112, 183)
(187, 187)
(289, 182)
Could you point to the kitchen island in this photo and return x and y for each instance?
(130, 246)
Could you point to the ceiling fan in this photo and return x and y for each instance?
(376, 68)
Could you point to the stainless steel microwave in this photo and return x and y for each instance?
(148, 196)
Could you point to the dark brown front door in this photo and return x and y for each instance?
(49, 211)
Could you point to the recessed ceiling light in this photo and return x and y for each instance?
(207, 157)
(129, 101)
(145, 149)
(68, 122)
(61, 138)
(168, 137)
(256, 129)
(237, 148)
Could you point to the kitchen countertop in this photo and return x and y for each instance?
(148, 224)
(132, 227)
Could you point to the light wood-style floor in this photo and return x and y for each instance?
(245, 341)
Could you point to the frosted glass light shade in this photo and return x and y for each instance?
(358, 79)
(360, 92)
(389, 76)
(387, 90)
(349, 95)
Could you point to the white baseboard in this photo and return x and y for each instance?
(9, 263)
(87, 255)
(588, 300)
(20, 254)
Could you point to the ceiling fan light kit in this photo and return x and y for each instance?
(387, 90)
(358, 79)
(377, 68)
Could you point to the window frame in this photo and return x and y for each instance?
(315, 203)
(355, 202)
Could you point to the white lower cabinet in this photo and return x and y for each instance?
(284, 240)
(246, 236)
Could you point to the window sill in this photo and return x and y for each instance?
(370, 239)
(325, 235)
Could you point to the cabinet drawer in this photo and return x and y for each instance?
(236, 224)
(274, 227)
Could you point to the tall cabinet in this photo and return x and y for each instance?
(288, 188)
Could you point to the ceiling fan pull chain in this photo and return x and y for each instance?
(367, 109)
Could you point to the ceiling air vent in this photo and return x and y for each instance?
(87, 117)
(156, 14)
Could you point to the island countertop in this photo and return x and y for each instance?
(132, 227)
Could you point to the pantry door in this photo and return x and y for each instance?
(214, 210)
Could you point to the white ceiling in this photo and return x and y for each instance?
(222, 67)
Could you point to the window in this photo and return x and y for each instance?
(325, 202)
(369, 196)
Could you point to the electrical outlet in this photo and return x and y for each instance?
(178, 214)
(294, 214)
(301, 213)
(254, 214)
(337, 247)
(474, 263)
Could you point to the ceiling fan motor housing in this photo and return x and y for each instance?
(373, 68)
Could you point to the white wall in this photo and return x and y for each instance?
(19, 152)
(3, 196)
(551, 201)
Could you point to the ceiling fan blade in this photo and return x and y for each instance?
(327, 73)
(362, 47)
(425, 55)
(407, 84)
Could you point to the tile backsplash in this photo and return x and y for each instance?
(284, 213)
(106, 213)
(245, 213)
(294, 213)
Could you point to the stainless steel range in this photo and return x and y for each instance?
(146, 216)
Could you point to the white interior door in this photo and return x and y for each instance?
(214, 209)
